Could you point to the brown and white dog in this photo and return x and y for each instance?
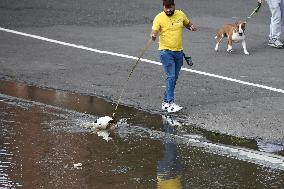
(235, 33)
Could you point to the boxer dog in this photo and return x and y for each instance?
(235, 33)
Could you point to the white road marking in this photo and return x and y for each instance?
(244, 154)
(142, 59)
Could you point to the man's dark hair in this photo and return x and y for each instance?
(168, 2)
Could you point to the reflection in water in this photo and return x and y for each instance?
(40, 155)
(169, 168)
(39, 145)
(79, 103)
(105, 134)
(88, 104)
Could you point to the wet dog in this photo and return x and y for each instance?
(105, 123)
(235, 33)
(103, 126)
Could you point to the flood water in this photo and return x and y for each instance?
(45, 133)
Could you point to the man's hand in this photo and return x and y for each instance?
(193, 28)
(153, 35)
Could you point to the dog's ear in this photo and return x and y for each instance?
(243, 25)
(113, 120)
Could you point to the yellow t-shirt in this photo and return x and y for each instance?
(170, 28)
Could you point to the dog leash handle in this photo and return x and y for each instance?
(255, 10)
(188, 60)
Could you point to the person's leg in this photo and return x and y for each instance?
(275, 24)
(167, 60)
(282, 9)
(179, 62)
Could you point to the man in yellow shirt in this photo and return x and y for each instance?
(169, 23)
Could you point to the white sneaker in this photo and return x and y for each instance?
(275, 43)
(171, 121)
(165, 106)
(174, 108)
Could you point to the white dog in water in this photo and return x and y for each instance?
(104, 123)
(102, 126)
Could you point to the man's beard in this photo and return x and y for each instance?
(170, 13)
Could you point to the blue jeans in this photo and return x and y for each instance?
(172, 62)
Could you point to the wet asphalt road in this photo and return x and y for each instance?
(123, 27)
(47, 141)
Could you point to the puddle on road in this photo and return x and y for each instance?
(40, 143)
